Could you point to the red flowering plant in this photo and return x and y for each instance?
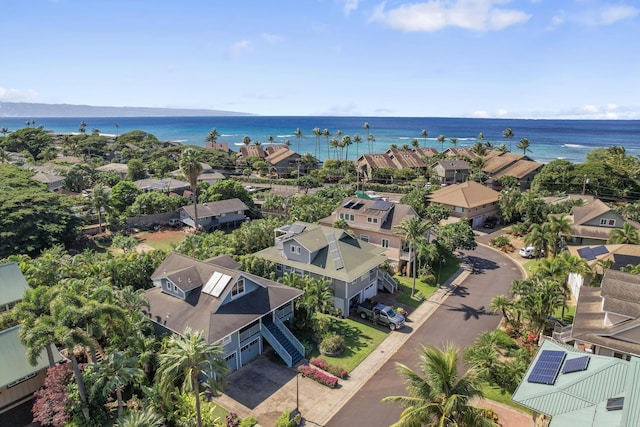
(326, 366)
(318, 376)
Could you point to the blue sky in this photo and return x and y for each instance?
(431, 58)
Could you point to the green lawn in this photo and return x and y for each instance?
(569, 313)
(498, 394)
(361, 339)
(406, 283)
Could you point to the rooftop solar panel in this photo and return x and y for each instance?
(576, 365)
(348, 204)
(600, 250)
(586, 253)
(547, 367)
(335, 252)
(381, 205)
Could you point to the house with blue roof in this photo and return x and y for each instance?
(575, 388)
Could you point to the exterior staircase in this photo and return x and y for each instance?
(285, 344)
(387, 282)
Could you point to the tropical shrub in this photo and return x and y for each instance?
(326, 366)
(332, 344)
(285, 419)
(499, 241)
(318, 376)
(249, 421)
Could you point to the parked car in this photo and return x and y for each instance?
(175, 222)
(380, 313)
(490, 222)
(529, 252)
(250, 188)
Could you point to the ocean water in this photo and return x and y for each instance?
(549, 139)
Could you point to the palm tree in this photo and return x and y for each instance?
(83, 127)
(524, 145)
(357, 140)
(441, 139)
(346, 142)
(625, 235)
(34, 315)
(334, 144)
(117, 130)
(246, 140)
(424, 134)
(371, 138)
(411, 229)
(4, 131)
(415, 143)
(454, 142)
(142, 418)
(559, 227)
(317, 133)
(187, 357)
(327, 134)
(114, 374)
(298, 134)
(99, 201)
(191, 168)
(538, 237)
(439, 396)
(366, 128)
(508, 133)
(502, 304)
(213, 136)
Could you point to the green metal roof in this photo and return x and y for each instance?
(12, 283)
(579, 398)
(14, 364)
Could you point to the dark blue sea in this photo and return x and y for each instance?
(549, 139)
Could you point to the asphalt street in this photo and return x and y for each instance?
(459, 319)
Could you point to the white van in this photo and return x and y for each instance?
(529, 252)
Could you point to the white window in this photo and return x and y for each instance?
(226, 340)
(385, 243)
(347, 217)
(372, 220)
(288, 268)
(364, 237)
(238, 288)
(295, 249)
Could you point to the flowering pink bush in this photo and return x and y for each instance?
(317, 375)
(326, 366)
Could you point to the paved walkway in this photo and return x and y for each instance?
(318, 403)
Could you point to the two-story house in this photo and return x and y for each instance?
(212, 215)
(607, 318)
(592, 223)
(351, 265)
(469, 200)
(240, 311)
(18, 379)
(450, 171)
(375, 221)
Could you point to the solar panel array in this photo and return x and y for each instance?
(381, 205)
(348, 204)
(591, 253)
(335, 252)
(547, 367)
(576, 365)
(216, 284)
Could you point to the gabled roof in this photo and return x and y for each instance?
(272, 148)
(206, 312)
(495, 164)
(48, 178)
(580, 398)
(581, 215)
(621, 255)
(584, 214)
(355, 256)
(280, 155)
(252, 151)
(449, 165)
(377, 161)
(468, 194)
(114, 167)
(222, 146)
(212, 209)
(618, 296)
(13, 354)
(519, 169)
(425, 151)
(405, 159)
(459, 151)
(167, 184)
(13, 285)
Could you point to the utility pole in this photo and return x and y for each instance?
(584, 184)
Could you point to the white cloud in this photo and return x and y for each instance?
(612, 14)
(503, 112)
(271, 38)
(434, 15)
(480, 114)
(18, 95)
(238, 48)
(588, 109)
(350, 6)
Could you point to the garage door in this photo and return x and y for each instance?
(232, 361)
(370, 291)
(250, 351)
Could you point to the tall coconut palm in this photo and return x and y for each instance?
(524, 145)
(508, 133)
(439, 396)
(371, 138)
(415, 143)
(625, 235)
(114, 374)
(188, 357)
(246, 140)
(357, 141)
(99, 201)
(191, 167)
(539, 238)
(213, 136)
(83, 127)
(317, 133)
(411, 229)
(366, 128)
(424, 134)
(454, 142)
(327, 134)
(4, 131)
(34, 315)
(441, 139)
(117, 130)
(298, 135)
(334, 143)
(559, 228)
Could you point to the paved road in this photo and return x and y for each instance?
(459, 319)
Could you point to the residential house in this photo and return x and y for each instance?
(407, 159)
(450, 171)
(284, 160)
(592, 223)
(367, 163)
(459, 152)
(425, 151)
(211, 177)
(240, 311)
(607, 318)
(351, 265)
(574, 388)
(222, 146)
(252, 151)
(119, 168)
(53, 182)
(469, 200)
(523, 170)
(18, 379)
(271, 148)
(212, 215)
(166, 185)
(375, 222)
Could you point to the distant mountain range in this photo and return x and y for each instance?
(26, 109)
